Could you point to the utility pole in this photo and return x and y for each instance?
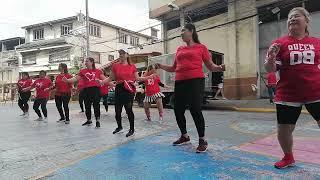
(87, 30)
(2, 73)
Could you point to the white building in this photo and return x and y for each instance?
(63, 40)
(9, 72)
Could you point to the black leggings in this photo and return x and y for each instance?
(63, 100)
(123, 98)
(105, 101)
(23, 101)
(189, 93)
(81, 99)
(92, 97)
(43, 103)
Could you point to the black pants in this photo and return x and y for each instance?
(92, 97)
(105, 102)
(272, 92)
(81, 100)
(123, 98)
(189, 93)
(23, 101)
(43, 103)
(63, 100)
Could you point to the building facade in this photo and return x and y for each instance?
(63, 41)
(242, 30)
(9, 72)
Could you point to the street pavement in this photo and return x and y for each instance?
(242, 145)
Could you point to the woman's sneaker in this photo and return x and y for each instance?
(202, 147)
(117, 130)
(87, 123)
(284, 163)
(61, 120)
(130, 133)
(182, 140)
(98, 124)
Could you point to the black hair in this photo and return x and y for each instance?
(192, 28)
(64, 67)
(43, 72)
(26, 74)
(92, 61)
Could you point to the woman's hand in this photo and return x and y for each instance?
(64, 79)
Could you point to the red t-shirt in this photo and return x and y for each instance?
(24, 83)
(152, 86)
(41, 84)
(272, 80)
(61, 86)
(188, 61)
(298, 64)
(104, 89)
(124, 72)
(89, 77)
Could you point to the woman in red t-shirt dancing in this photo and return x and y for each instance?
(24, 97)
(63, 93)
(296, 57)
(189, 83)
(124, 73)
(91, 90)
(42, 86)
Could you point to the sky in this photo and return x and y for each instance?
(131, 14)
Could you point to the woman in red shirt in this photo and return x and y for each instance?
(91, 90)
(24, 97)
(189, 83)
(296, 57)
(63, 93)
(153, 93)
(42, 86)
(124, 73)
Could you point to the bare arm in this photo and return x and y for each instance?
(167, 68)
(143, 78)
(213, 67)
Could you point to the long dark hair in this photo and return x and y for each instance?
(64, 67)
(92, 61)
(192, 28)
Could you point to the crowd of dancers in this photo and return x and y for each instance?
(295, 58)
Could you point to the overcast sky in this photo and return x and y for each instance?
(131, 14)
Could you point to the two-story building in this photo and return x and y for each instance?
(240, 29)
(63, 40)
(9, 72)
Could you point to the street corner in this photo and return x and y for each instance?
(154, 157)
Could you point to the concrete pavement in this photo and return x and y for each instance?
(241, 146)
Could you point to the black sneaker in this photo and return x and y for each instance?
(98, 124)
(203, 145)
(130, 133)
(182, 140)
(67, 122)
(117, 130)
(61, 120)
(87, 123)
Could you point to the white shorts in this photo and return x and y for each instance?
(220, 86)
(150, 99)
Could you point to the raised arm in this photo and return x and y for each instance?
(143, 78)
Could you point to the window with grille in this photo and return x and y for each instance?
(38, 34)
(111, 57)
(95, 30)
(123, 38)
(95, 56)
(65, 29)
(134, 40)
(28, 58)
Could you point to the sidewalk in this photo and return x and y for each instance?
(259, 105)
